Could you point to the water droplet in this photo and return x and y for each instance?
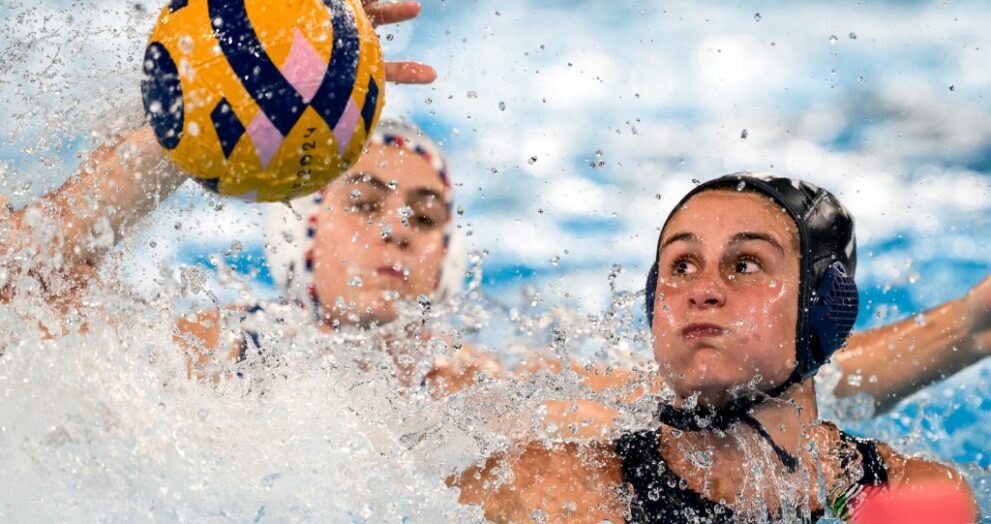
(386, 231)
(854, 379)
(186, 44)
(355, 194)
(757, 17)
(461, 211)
(853, 36)
(532, 160)
(657, 196)
(393, 185)
(953, 87)
(428, 100)
(913, 278)
(740, 186)
(502, 106)
(390, 295)
(355, 281)
(696, 181)
(472, 94)
(555, 260)
(773, 283)
(743, 134)
(194, 129)
(833, 39)
(438, 346)
(390, 37)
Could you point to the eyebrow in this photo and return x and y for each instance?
(748, 236)
(426, 192)
(368, 178)
(680, 237)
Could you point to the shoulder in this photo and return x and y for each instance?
(563, 480)
(910, 482)
(916, 476)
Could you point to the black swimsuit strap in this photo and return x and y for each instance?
(875, 472)
(659, 496)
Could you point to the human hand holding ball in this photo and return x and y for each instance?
(269, 100)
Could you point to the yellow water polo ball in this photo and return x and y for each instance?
(265, 100)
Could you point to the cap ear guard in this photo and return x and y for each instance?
(651, 293)
(832, 315)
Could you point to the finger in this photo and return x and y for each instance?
(409, 73)
(392, 13)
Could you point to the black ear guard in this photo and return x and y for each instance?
(828, 301)
(831, 317)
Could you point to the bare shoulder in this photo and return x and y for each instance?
(913, 475)
(564, 482)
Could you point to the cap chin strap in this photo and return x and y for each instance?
(736, 410)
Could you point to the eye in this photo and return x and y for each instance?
(683, 266)
(369, 207)
(747, 265)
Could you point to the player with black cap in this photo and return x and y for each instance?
(751, 293)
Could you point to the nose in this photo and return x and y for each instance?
(396, 230)
(707, 293)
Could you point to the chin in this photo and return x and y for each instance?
(713, 390)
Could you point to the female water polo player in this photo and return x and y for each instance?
(379, 234)
(751, 292)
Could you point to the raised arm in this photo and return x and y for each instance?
(118, 184)
(895, 361)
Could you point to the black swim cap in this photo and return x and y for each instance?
(827, 298)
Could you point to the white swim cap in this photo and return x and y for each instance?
(290, 229)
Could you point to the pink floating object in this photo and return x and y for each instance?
(937, 502)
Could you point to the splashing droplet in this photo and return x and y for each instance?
(833, 39)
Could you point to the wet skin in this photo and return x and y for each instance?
(727, 295)
(361, 234)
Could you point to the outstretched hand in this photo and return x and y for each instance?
(978, 304)
(401, 72)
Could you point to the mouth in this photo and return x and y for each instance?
(391, 272)
(692, 331)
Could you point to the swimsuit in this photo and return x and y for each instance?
(660, 496)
